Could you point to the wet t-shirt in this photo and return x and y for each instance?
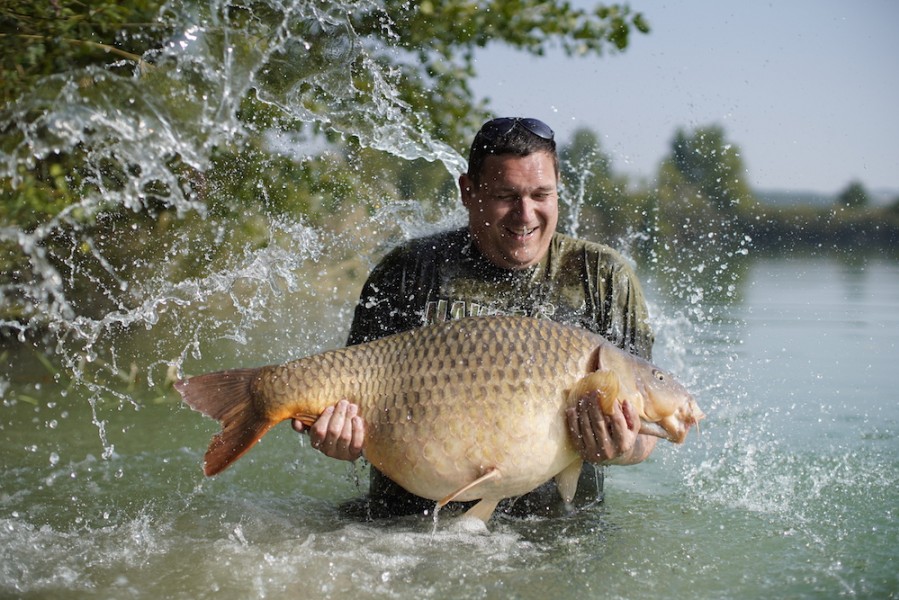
(444, 276)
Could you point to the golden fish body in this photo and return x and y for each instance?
(464, 410)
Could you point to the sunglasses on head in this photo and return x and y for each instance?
(503, 125)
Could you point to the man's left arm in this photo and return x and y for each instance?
(608, 439)
(615, 439)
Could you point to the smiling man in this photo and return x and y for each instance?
(508, 260)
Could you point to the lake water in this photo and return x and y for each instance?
(791, 488)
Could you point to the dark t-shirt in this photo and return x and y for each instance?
(444, 277)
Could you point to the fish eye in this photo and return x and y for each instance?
(659, 376)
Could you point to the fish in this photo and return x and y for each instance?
(463, 410)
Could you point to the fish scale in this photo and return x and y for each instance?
(465, 410)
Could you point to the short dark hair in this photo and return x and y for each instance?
(510, 135)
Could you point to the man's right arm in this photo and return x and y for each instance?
(340, 432)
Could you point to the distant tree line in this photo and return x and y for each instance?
(700, 189)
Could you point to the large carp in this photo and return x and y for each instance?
(472, 409)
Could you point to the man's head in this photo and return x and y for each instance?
(510, 191)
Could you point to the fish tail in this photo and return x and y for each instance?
(227, 396)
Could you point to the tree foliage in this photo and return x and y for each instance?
(701, 186)
(389, 57)
(38, 39)
(711, 165)
(590, 185)
(440, 39)
(426, 49)
(853, 196)
(313, 70)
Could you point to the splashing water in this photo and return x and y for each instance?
(164, 118)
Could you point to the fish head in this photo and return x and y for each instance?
(666, 407)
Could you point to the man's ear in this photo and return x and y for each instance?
(467, 190)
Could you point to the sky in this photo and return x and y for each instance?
(807, 89)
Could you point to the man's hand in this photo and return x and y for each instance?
(338, 433)
(609, 439)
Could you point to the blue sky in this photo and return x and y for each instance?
(809, 90)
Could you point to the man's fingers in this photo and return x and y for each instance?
(592, 428)
(345, 431)
(616, 420)
(337, 420)
(600, 437)
(574, 427)
(358, 439)
(631, 416)
(318, 433)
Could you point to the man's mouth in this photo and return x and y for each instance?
(520, 233)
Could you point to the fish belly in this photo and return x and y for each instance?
(446, 406)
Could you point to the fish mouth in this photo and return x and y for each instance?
(675, 427)
(676, 434)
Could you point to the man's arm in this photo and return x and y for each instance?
(340, 432)
(615, 438)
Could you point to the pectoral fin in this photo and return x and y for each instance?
(491, 473)
(605, 383)
(483, 510)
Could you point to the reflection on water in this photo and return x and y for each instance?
(790, 487)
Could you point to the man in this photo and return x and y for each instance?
(508, 260)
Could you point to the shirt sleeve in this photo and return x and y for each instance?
(636, 335)
(621, 311)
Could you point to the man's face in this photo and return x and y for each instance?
(513, 212)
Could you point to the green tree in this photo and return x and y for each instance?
(701, 191)
(413, 58)
(853, 196)
(712, 166)
(596, 198)
(440, 39)
(38, 39)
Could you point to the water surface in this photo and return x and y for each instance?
(790, 489)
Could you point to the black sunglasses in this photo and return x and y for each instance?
(503, 125)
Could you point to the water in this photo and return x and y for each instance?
(790, 489)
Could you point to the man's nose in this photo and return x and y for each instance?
(526, 208)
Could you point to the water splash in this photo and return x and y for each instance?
(143, 135)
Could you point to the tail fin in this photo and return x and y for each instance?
(227, 397)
